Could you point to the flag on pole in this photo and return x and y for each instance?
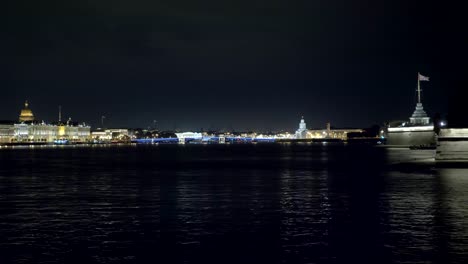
(422, 77)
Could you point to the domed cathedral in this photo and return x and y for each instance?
(26, 114)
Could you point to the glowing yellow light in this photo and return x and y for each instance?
(61, 131)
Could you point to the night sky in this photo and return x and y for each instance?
(229, 64)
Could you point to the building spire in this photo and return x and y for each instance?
(419, 116)
(26, 104)
(419, 89)
(60, 114)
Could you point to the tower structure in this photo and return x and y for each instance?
(419, 131)
(301, 133)
(419, 117)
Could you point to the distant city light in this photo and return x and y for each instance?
(442, 124)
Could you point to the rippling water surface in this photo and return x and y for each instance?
(264, 203)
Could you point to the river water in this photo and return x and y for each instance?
(252, 203)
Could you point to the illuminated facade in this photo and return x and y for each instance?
(111, 135)
(45, 133)
(189, 135)
(419, 117)
(328, 133)
(341, 134)
(29, 131)
(7, 132)
(301, 133)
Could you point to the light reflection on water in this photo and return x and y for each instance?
(230, 204)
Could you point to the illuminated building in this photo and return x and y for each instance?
(30, 131)
(194, 135)
(189, 136)
(7, 132)
(418, 131)
(328, 133)
(419, 117)
(47, 133)
(301, 133)
(26, 114)
(110, 135)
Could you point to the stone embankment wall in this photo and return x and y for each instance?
(452, 145)
(411, 138)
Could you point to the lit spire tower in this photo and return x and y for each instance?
(419, 116)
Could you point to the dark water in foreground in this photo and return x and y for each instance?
(230, 204)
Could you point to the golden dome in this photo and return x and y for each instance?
(26, 113)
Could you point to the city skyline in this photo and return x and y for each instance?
(247, 66)
(155, 123)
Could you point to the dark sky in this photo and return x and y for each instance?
(228, 64)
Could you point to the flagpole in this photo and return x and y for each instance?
(419, 90)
